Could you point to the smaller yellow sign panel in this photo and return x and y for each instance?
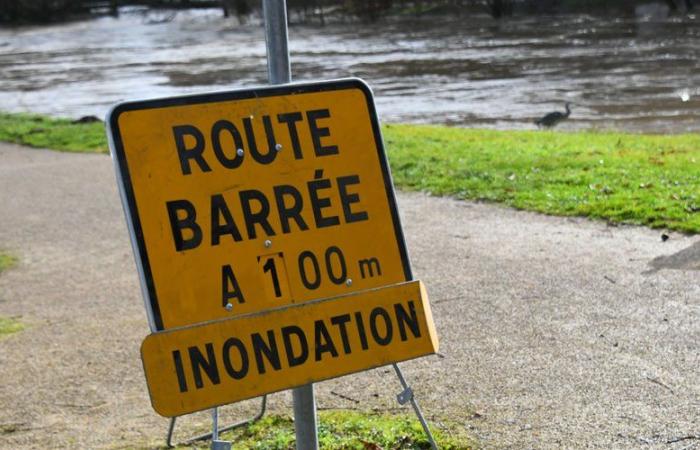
(216, 363)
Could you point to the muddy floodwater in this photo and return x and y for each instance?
(633, 73)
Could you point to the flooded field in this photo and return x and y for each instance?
(619, 73)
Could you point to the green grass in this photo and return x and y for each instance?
(623, 178)
(6, 261)
(343, 430)
(8, 325)
(619, 177)
(58, 134)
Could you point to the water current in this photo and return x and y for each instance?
(633, 74)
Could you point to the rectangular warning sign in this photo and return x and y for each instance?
(248, 200)
(198, 367)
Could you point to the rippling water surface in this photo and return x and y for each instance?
(622, 73)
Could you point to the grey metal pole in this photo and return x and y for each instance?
(216, 444)
(305, 417)
(278, 69)
(215, 424)
(279, 72)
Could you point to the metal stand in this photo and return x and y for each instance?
(403, 397)
(202, 437)
(279, 72)
(406, 396)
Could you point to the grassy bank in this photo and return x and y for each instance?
(618, 177)
(343, 430)
(622, 178)
(58, 134)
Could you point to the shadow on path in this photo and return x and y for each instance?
(686, 259)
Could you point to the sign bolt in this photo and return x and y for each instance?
(268, 243)
(348, 282)
(278, 147)
(228, 307)
(239, 152)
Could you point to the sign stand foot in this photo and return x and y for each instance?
(216, 443)
(171, 428)
(406, 396)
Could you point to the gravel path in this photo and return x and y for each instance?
(555, 332)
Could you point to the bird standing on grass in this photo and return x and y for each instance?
(553, 118)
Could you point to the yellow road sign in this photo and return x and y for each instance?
(249, 200)
(198, 367)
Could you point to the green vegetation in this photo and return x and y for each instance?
(343, 430)
(57, 134)
(622, 178)
(6, 261)
(618, 177)
(8, 325)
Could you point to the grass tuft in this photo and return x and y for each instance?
(7, 261)
(343, 430)
(57, 134)
(9, 325)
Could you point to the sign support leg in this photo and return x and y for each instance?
(171, 429)
(407, 396)
(279, 72)
(215, 424)
(216, 444)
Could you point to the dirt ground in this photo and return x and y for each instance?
(555, 332)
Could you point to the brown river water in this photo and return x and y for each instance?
(632, 73)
